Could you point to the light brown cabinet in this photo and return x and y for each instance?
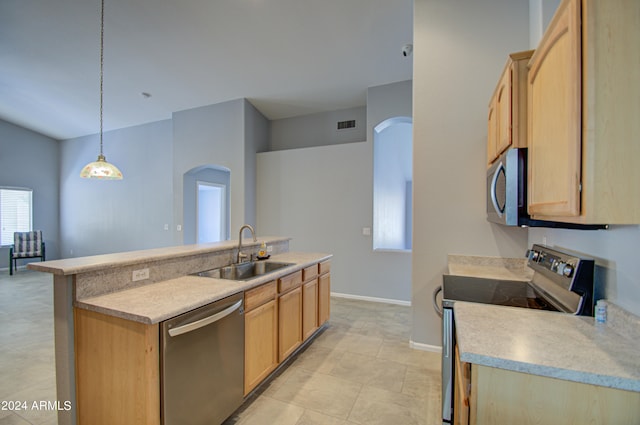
(507, 117)
(118, 361)
(501, 396)
(289, 323)
(289, 314)
(309, 301)
(117, 370)
(324, 292)
(461, 388)
(260, 334)
(584, 100)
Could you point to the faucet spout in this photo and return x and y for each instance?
(253, 233)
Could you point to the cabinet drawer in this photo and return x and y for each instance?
(290, 281)
(325, 267)
(258, 296)
(309, 272)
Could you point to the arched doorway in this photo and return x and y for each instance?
(206, 202)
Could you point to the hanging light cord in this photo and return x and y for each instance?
(101, 69)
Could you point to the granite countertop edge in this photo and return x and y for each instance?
(71, 266)
(556, 345)
(156, 302)
(583, 377)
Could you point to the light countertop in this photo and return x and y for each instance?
(159, 301)
(551, 344)
(490, 267)
(71, 266)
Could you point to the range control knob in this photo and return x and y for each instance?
(533, 255)
(565, 269)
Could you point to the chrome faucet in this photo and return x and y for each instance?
(241, 256)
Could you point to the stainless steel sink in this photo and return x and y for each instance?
(244, 271)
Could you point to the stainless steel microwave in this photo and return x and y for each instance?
(507, 194)
(507, 190)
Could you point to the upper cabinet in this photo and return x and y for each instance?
(583, 109)
(507, 118)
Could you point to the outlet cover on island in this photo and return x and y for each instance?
(366, 231)
(141, 274)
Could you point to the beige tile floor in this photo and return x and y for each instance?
(359, 370)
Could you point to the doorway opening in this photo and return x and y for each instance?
(206, 204)
(211, 212)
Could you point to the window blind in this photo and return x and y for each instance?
(15, 213)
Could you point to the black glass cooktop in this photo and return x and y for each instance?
(511, 293)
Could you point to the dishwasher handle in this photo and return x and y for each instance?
(204, 322)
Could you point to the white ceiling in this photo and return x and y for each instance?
(288, 57)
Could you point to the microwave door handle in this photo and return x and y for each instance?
(494, 182)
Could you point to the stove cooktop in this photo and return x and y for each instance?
(561, 282)
(509, 293)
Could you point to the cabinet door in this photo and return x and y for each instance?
(503, 112)
(555, 117)
(461, 390)
(492, 132)
(289, 322)
(309, 308)
(261, 344)
(324, 298)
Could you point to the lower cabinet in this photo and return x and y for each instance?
(289, 322)
(324, 296)
(461, 388)
(260, 335)
(501, 396)
(117, 370)
(118, 361)
(309, 308)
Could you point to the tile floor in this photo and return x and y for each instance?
(359, 370)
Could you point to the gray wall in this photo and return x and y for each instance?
(29, 159)
(323, 196)
(98, 217)
(460, 48)
(317, 129)
(212, 135)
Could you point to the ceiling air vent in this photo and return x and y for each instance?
(343, 125)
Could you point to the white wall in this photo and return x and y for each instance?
(460, 48)
(322, 198)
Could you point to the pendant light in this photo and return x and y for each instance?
(101, 169)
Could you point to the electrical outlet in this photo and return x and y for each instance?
(141, 274)
(269, 248)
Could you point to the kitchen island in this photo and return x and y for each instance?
(530, 366)
(142, 288)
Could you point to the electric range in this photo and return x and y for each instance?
(561, 282)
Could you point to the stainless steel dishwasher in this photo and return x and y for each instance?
(202, 364)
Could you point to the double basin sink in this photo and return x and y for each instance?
(244, 271)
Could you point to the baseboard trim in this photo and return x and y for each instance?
(372, 299)
(425, 347)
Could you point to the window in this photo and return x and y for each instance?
(392, 184)
(15, 213)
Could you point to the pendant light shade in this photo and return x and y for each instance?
(101, 169)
